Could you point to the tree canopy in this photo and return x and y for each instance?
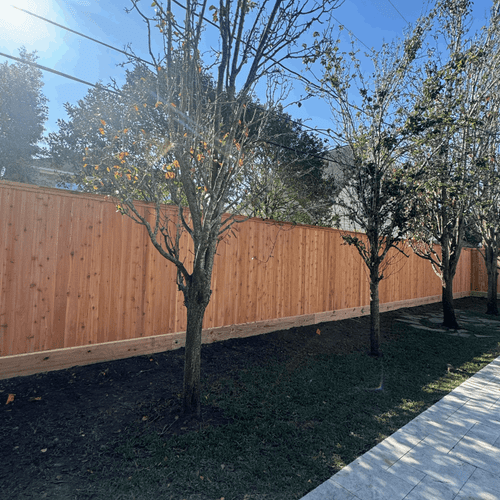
(23, 112)
(285, 183)
(290, 183)
(447, 124)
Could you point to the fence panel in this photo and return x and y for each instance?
(74, 272)
(479, 275)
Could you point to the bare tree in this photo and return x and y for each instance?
(201, 158)
(369, 115)
(447, 123)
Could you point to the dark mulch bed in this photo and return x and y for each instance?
(54, 432)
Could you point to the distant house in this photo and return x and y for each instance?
(340, 166)
(41, 172)
(338, 163)
(50, 174)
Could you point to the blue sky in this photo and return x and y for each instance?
(372, 21)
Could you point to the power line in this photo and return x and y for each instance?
(142, 60)
(403, 17)
(101, 87)
(310, 83)
(84, 36)
(351, 33)
(65, 75)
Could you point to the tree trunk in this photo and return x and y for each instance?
(196, 301)
(449, 318)
(491, 258)
(374, 316)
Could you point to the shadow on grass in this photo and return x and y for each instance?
(290, 426)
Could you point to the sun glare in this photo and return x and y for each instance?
(19, 26)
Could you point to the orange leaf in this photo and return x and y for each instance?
(318, 331)
(103, 123)
(10, 398)
(102, 131)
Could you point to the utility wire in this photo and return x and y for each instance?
(403, 17)
(101, 87)
(351, 33)
(298, 75)
(299, 123)
(84, 36)
(65, 75)
(144, 61)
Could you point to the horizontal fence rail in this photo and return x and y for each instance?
(75, 273)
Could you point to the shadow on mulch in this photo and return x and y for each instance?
(60, 422)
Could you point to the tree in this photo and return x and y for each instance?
(289, 183)
(486, 189)
(23, 111)
(81, 134)
(202, 156)
(447, 123)
(370, 165)
(285, 184)
(486, 211)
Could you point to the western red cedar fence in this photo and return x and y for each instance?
(81, 283)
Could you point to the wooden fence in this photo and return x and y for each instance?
(83, 282)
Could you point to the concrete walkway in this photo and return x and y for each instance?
(449, 452)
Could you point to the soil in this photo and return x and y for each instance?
(71, 413)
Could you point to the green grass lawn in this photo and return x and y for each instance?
(291, 429)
